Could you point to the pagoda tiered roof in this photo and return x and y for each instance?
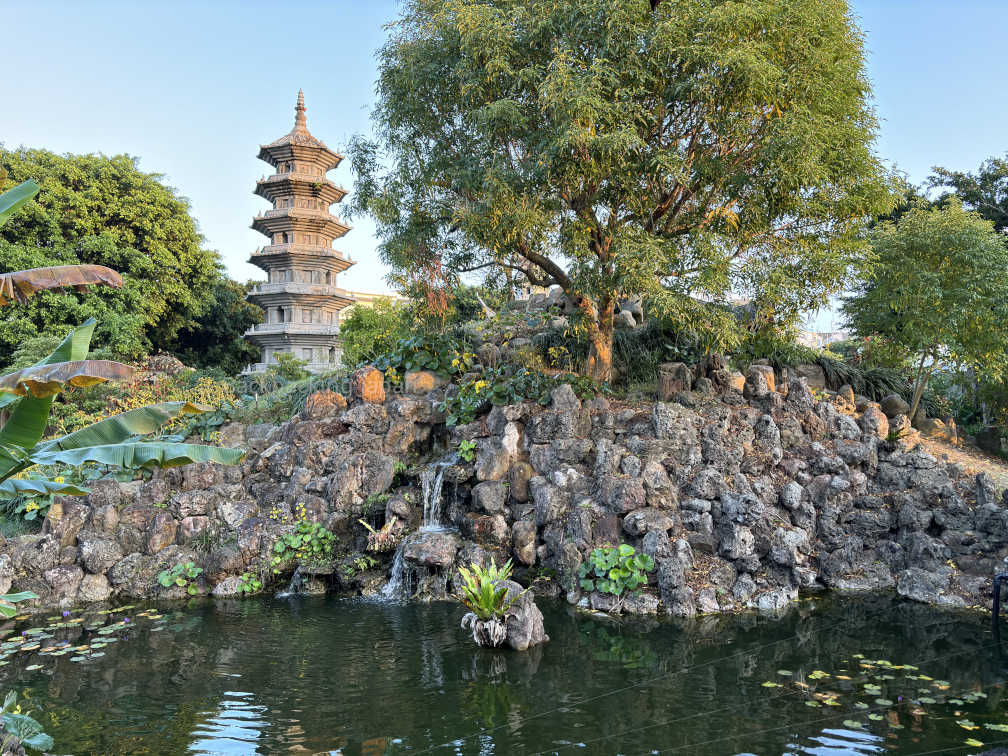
(299, 184)
(299, 144)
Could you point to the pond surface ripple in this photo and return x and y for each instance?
(325, 675)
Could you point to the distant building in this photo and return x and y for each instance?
(820, 339)
(300, 298)
(368, 299)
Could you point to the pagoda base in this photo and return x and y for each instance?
(318, 346)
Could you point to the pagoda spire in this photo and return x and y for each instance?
(300, 122)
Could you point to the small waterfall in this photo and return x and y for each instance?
(431, 482)
(296, 585)
(400, 584)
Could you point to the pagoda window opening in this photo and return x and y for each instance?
(280, 315)
(306, 355)
(328, 281)
(306, 316)
(332, 350)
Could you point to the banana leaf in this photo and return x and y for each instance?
(139, 454)
(27, 422)
(12, 200)
(19, 285)
(7, 601)
(14, 487)
(121, 427)
(46, 380)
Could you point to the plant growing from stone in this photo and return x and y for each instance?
(249, 583)
(616, 571)
(19, 729)
(467, 450)
(383, 539)
(484, 593)
(309, 543)
(181, 575)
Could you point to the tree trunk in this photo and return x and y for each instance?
(923, 373)
(599, 367)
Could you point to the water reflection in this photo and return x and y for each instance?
(316, 675)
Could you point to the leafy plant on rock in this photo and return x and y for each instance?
(19, 729)
(442, 355)
(467, 450)
(181, 575)
(498, 387)
(309, 543)
(249, 583)
(617, 571)
(485, 594)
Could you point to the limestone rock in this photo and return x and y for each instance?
(94, 588)
(367, 384)
(524, 621)
(323, 404)
(673, 378)
(422, 382)
(97, 552)
(432, 549)
(894, 405)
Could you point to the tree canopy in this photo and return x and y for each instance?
(105, 210)
(215, 339)
(686, 151)
(985, 191)
(939, 288)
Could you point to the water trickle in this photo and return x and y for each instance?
(399, 586)
(296, 585)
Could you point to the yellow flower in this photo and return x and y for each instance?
(58, 479)
(31, 506)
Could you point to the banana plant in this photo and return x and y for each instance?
(19, 285)
(117, 441)
(26, 397)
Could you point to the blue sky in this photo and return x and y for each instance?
(192, 89)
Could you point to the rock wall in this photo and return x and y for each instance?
(743, 498)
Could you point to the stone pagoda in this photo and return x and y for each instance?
(300, 298)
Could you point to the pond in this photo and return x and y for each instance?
(328, 675)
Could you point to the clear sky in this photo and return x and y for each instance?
(193, 88)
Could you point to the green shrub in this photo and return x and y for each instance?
(467, 450)
(181, 575)
(496, 387)
(615, 571)
(483, 591)
(249, 583)
(289, 367)
(309, 543)
(448, 357)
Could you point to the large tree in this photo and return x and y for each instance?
(215, 339)
(686, 151)
(105, 210)
(939, 289)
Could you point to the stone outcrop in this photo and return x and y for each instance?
(742, 502)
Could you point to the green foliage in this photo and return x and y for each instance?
(249, 583)
(104, 210)
(357, 563)
(445, 356)
(309, 543)
(289, 367)
(19, 729)
(483, 591)
(615, 570)
(467, 450)
(985, 191)
(938, 289)
(215, 339)
(369, 332)
(181, 575)
(689, 150)
(498, 387)
(7, 601)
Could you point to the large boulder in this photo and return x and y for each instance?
(367, 384)
(673, 378)
(432, 549)
(893, 405)
(524, 621)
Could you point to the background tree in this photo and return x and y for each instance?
(985, 191)
(105, 210)
(215, 338)
(687, 151)
(938, 288)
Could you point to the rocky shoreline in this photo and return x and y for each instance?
(744, 489)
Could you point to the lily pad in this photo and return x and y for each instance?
(853, 724)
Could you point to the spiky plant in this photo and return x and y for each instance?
(485, 594)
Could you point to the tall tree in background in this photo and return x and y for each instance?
(683, 151)
(985, 191)
(939, 288)
(215, 338)
(105, 210)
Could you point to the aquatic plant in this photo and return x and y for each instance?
(249, 583)
(616, 571)
(485, 594)
(181, 575)
(19, 729)
(7, 601)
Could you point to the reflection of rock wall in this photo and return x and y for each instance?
(743, 488)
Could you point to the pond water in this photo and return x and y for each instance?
(328, 675)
